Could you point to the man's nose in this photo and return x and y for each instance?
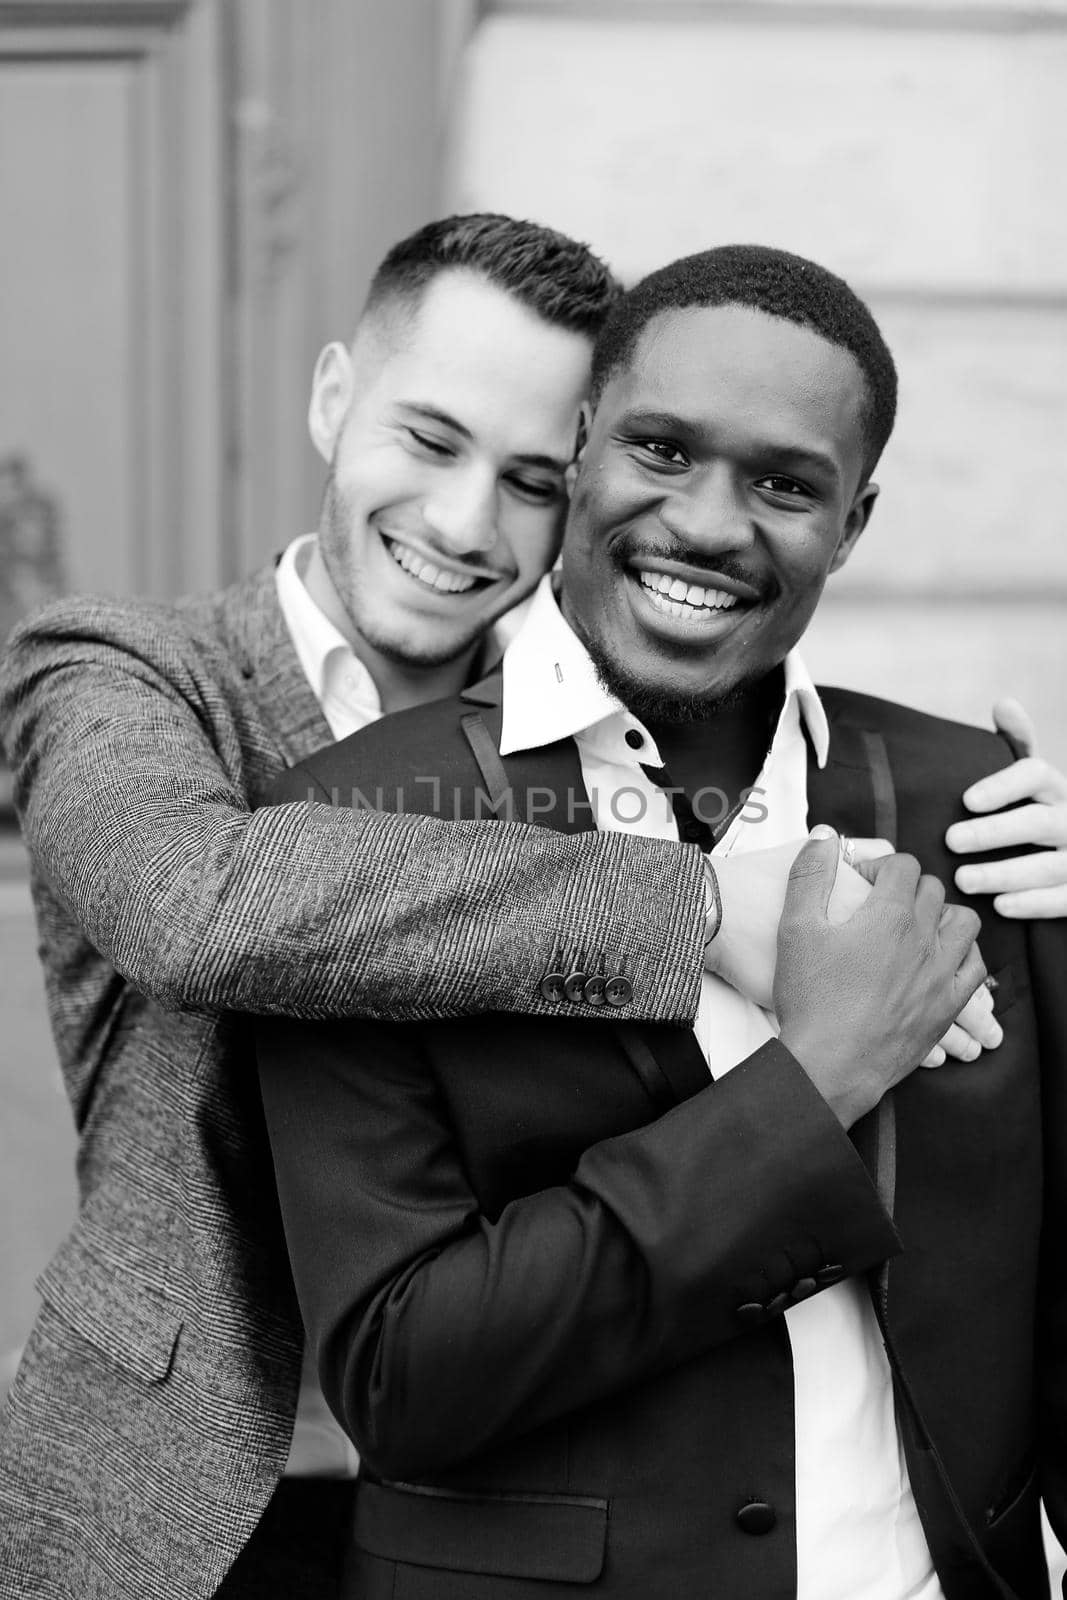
(462, 513)
(708, 513)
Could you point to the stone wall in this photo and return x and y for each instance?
(916, 148)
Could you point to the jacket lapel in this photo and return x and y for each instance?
(272, 672)
(547, 787)
(854, 793)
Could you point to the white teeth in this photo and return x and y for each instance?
(433, 577)
(681, 599)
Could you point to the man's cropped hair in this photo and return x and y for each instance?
(558, 278)
(777, 283)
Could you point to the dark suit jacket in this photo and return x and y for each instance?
(543, 1264)
(167, 1350)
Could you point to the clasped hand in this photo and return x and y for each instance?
(753, 888)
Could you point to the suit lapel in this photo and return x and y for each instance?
(272, 671)
(547, 787)
(854, 793)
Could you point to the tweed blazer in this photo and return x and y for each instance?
(151, 1416)
(544, 1271)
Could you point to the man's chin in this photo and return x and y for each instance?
(659, 694)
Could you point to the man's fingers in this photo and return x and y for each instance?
(978, 1022)
(1047, 869)
(897, 878)
(970, 973)
(936, 1058)
(960, 1045)
(812, 875)
(957, 932)
(1013, 723)
(1033, 905)
(1029, 779)
(870, 850)
(1034, 824)
(930, 898)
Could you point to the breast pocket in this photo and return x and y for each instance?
(124, 1318)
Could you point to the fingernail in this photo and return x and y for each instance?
(821, 831)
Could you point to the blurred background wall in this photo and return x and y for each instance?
(193, 194)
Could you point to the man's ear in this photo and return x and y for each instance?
(332, 387)
(585, 420)
(858, 517)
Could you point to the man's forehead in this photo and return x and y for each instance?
(690, 360)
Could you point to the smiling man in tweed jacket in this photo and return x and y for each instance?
(154, 1411)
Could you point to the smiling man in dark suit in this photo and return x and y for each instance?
(655, 1312)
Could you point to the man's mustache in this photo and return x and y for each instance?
(671, 550)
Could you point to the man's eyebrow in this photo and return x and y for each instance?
(528, 459)
(796, 455)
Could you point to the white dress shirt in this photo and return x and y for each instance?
(858, 1531)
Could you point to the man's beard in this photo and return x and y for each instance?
(336, 548)
(650, 703)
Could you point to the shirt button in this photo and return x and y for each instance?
(552, 986)
(618, 991)
(757, 1517)
(634, 739)
(574, 986)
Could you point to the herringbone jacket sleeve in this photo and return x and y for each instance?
(139, 752)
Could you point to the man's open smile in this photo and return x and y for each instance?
(434, 572)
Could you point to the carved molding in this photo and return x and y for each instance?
(91, 13)
(965, 16)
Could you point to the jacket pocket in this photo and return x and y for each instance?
(123, 1316)
(509, 1535)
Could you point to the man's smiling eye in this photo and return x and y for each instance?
(534, 489)
(425, 441)
(663, 451)
(788, 488)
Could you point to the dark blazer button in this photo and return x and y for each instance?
(752, 1314)
(779, 1303)
(574, 986)
(803, 1289)
(552, 986)
(829, 1274)
(757, 1517)
(618, 991)
(594, 990)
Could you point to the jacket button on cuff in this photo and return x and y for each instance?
(829, 1274)
(574, 986)
(552, 986)
(618, 991)
(804, 1288)
(756, 1517)
(779, 1303)
(751, 1314)
(594, 991)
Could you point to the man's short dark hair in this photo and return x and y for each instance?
(777, 283)
(556, 277)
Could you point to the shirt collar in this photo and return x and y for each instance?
(551, 690)
(319, 645)
(322, 648)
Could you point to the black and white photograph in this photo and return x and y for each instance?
(533, 800)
